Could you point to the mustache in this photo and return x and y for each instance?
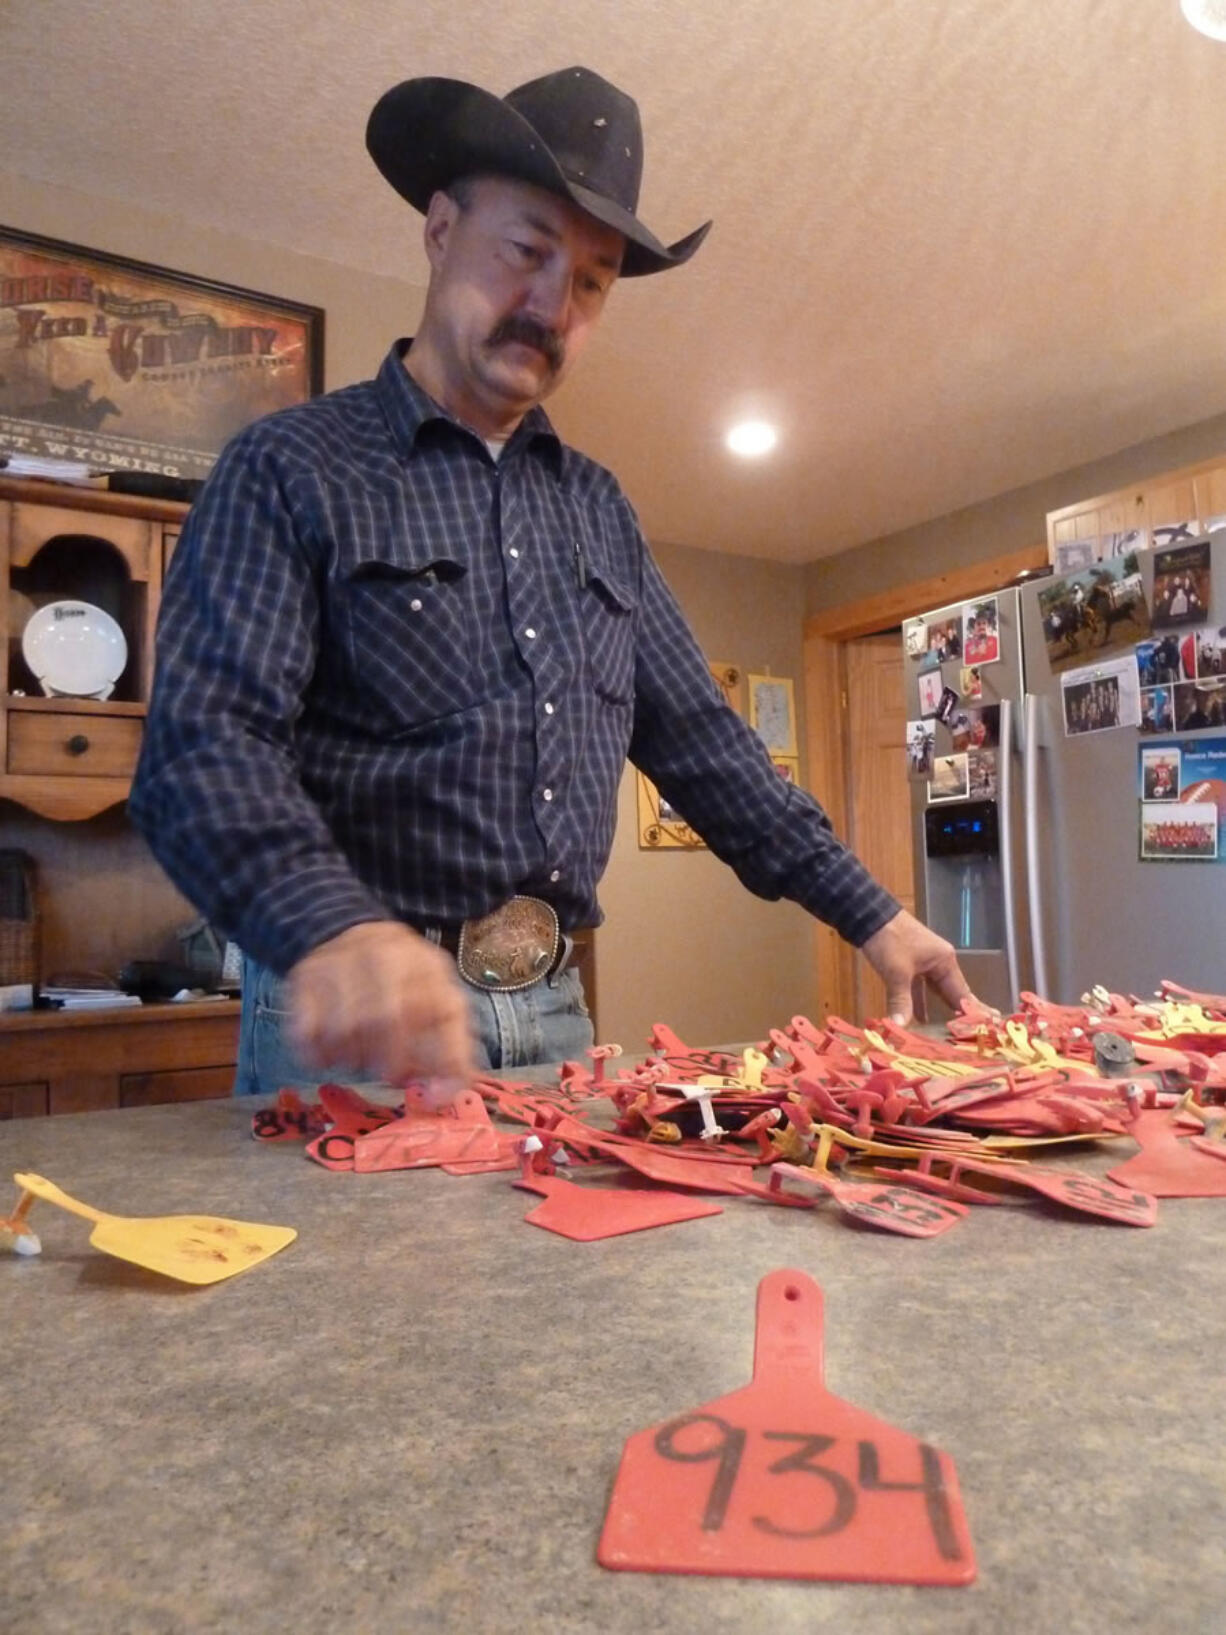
(518, 328)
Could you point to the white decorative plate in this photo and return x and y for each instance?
(75, 649)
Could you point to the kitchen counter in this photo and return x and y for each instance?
(409, 1419)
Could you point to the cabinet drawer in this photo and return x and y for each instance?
(59, 744)
(186, 1084)
(24, 1101)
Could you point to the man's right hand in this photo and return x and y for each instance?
(379, 999)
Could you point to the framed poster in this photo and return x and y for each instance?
(120, 365)
(772, 713)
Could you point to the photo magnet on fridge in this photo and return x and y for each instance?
(945, 638)
(1075, 555)
(946, 705)
(930, 689)
(1160, 773)
(914, 638)
(1182, 831)
(1172, 533)
(921, 747)
(1135, 539)
(1101, 696)
(981, 631)
(981, 773)
(1200, 704)
(1160, 662)
(1093, 612)
(1157, 709)
(1192, 824)
(1182, 584)
(976, 728)
(970, 683)
(1211, 652)
(950, 778)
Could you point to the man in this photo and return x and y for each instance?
(408, 640)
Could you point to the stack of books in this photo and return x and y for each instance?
(79, 993)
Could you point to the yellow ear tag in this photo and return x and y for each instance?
(753, 1062)
(1020, 1040)
(192, 1248)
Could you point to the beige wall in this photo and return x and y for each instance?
(1009, 522)
(685, 944)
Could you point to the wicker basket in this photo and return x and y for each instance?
(18, 919)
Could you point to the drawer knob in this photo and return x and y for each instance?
(77, 744)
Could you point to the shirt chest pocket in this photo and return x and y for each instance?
(406, 627)
(607, 609)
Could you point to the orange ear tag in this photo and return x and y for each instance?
(783, 1480)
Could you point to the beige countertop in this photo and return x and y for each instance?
(410, 1418)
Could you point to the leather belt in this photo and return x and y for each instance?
(517, 946)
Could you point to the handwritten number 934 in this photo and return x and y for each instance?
(726, 1451)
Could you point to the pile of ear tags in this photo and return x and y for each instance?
(900, 1131)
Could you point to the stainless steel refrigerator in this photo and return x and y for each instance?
(1037, 875)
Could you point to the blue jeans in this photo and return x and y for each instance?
(543, 1023)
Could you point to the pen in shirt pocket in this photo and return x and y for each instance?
(580, 566)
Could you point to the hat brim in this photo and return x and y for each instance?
(427, 133)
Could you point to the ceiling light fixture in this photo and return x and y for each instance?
(751, 438)
(1209, 16)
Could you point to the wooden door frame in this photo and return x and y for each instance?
(825, 678)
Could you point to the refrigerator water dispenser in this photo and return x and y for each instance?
(965, 892)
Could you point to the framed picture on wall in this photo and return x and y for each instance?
(772, 713)
(728, 677)
(121, 365)
(660, 827)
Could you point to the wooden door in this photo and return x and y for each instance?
(880, 795)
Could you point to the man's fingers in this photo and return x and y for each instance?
(898, 1000)
(379, 999)
(951, 985)
(908, 957)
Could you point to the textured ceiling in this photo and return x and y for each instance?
(959, 245)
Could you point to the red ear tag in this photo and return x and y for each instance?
(783, 1480)
(588, 1213)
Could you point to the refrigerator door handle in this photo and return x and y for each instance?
(1008, 857)
(1030, 790)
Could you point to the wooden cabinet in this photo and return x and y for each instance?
(1195, 492)
(71, 758)
(88, 1061)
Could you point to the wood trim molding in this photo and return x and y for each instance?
(825, 684)
(872, 614)
(38, 491)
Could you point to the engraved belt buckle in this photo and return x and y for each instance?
(514, 947)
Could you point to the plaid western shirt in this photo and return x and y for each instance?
(396, 677)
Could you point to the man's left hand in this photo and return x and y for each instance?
(903, 953)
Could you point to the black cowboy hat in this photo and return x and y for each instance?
(571, 133)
